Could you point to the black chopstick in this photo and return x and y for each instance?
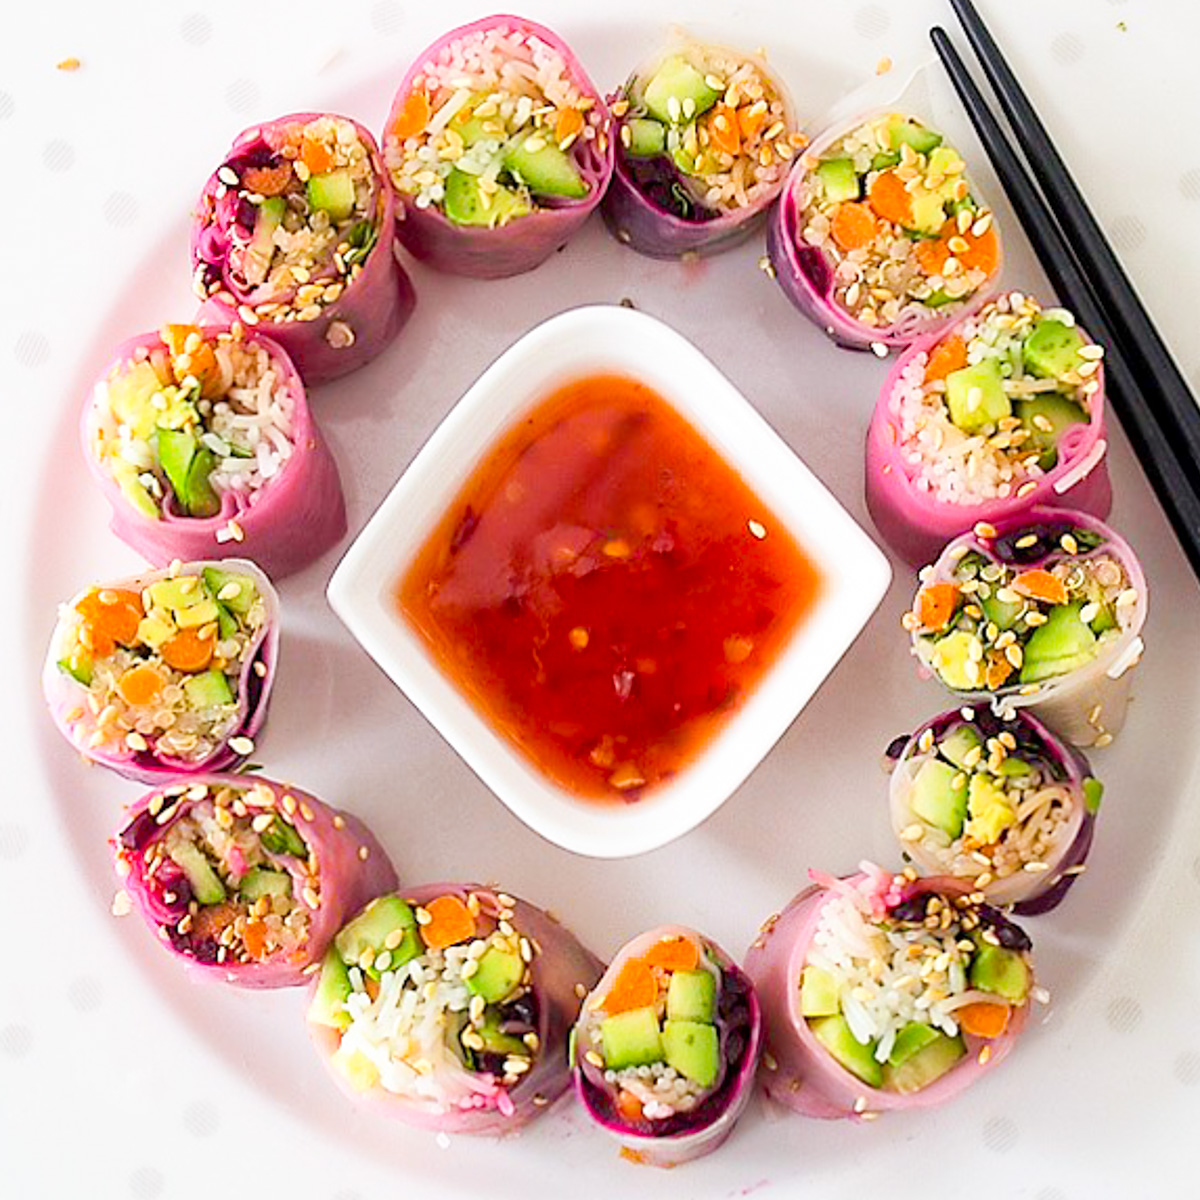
(1170, 475)
(1147, 354)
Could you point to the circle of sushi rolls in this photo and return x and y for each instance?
(1043, 611)
(705, 138)
(1003, 411)
(293, 236)
(200, 438)
(244, 878)
(1002, 804)
(666, 1046)
(167, 673)
(879, 236)
(498, 146)
(883, 992)
(448, 1006)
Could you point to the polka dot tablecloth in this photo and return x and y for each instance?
(119, 1076)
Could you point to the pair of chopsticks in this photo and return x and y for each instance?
(1156, 408)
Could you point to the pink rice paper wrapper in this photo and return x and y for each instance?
(669, 1141)
(524, 242)
(1028, 893)
(1086, 706)
(798, 1072)
(284, 525)
(372, 308)
(345, 868)
(67, 698)
(561, 971)
(805, 272)
(916, 525)
(637, 209)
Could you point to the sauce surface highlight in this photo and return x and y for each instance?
(605, 589)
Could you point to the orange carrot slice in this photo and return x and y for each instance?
(983, 1019)
(950, 354)
(200, 362)
(1039, 584)
(316, 156)
(982, 253)
(568, 121)
(723, 129)
(932, 254)
(113, 616)
(750, 121)
(634, 987)
(853, 225)
(140, 685)
(268, 181)
(413, 116)
(673, 954)
(450, 922)
(629, 1106)
(888, 196)
(188, 650)
(935, 604)
(255, 938)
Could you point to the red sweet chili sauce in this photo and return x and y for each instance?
(606, 590)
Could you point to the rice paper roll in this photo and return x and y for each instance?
(706, 136)
(880, 237)
(1001, 412)
(498, 146)
(943, 1002)
(247, 880)
(448, 1006)
(167, 673)
(202, 442)
(1004, 805)
(667, 1045)
(293, 235)
(1042, 612)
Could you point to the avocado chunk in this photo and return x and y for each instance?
(692, 1048)
(1062, 644)
(818, 993)
(939, 796)
(975, 396)
(465, 203)
(281, 837)
(205, 882)
(260, 881)
(545, 171)
(839, 180)
(187, 465)
(126, 476)
(957, 743)
(834, 1034)
(208, 689)
(497, 975)
(261, 249)
(912, 133)
(1001, 972)
(1049, 409)
(647, 137)
(677, 92)
(129, 396)
(913, 1037)
(928, 212)
(79, 669)
(885, 160)
(951, 654)
(218, 581)
(1015, 768)
(327, 1006)
(497, 1042)
(692, 996)
(374, 927)
(631, 1039)
(1052, 348)
(332, 192)
(925, 1065)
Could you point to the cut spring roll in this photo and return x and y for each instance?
(246, 879)
(1002, 412)
(1004, 805)
(293, 235)
(448, 1006)
(202, 442)
(168, 673)
(706, 136)
(883, 992)
(880, 237)
(498, 147)
(1043, 612)
(666, 1047)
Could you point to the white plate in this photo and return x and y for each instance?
(118, 1077)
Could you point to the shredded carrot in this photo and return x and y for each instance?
(750, 121)
(888, 196)
(268, 181)
(413, 116)
(634, 987)
(950, 354)
(450, 922)
(983, 252)
(629, 1106)
(567, 122)
(315, 156)
(112, 616)
(200, 362)
(983, 1018)
(998, 670)
(211, 919)
(935, 604)
(673, 954)
(188, 650)
(1039, 584)
(723, 129)
(255, 938)
(140, 685)
(932, 254)
(853, 225)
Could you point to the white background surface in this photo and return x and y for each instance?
(119, 1077)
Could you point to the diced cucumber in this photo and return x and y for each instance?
(647, 137)
(677, 93)
(913, 1037)
(631, 1039)
(975, 396)
(839, 180)
(691, 996)
(282, 837)
(375, 926)
(957, 743)
(497, 975)
(466, 204)
(1062, 644)
(1001, 972)
(262, 242)
(919, 1069)
(259, 881)
(1093, 790)
(132, 488)
(939, 796)
(332, 192)
(906, 131)
(333, 990)
(205, 882)
(1048, 408)
(692, 1048)
(1052, 348)
(834, 1034)
(207, 690)
(818, 993)
(79, 669)
(218, 582)
(545, 170)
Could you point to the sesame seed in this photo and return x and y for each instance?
(122, 903)
(580, 991)
(757, 530)
(241, 745)
(339, 822)
(312, 899)
(1105, 739)
(592, 1057)
(363, 853)
(984, 530)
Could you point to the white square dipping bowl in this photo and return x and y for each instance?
(611, 340)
